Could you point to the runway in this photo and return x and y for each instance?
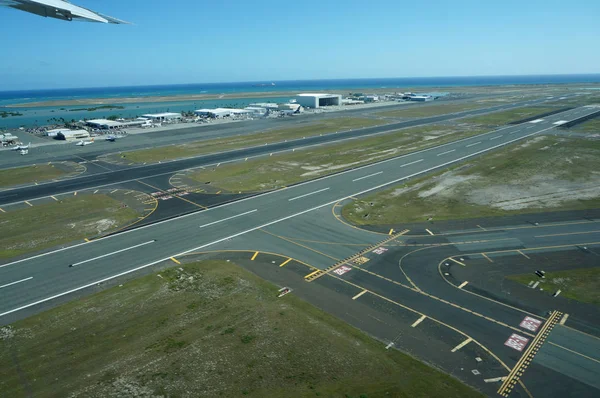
(103, 178)
(287, 220)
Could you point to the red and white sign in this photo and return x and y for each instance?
(530, 323)
(380, 250)
(342, 270)
(516, 342)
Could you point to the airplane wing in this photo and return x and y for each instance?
(60, 9)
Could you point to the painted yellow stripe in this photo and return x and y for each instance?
(2, 210)
(253, 257)
(421, 319)
(525, 255)
(489, 259)
(75, 193)
(53, 198)
(285, 262)
(86, 239)
(359, 294)
(429, 232)
(312, 273)
(219, 192)
(175, 260)
(564, 319)
(457, 262)
(391, 231)
(463, 284)
(29, 203)
(461, 345)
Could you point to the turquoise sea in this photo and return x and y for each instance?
(41, 116)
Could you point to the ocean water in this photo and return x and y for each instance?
(39, 116)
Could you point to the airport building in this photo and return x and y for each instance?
(266, 105)
(317, 100)
(55, 132)
(104, 124)
(214, 113)
(70, 135)
(294, 107)
(162, 117)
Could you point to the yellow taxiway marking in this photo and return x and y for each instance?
(570, 233)
(359, 294)
(285, 262)
(518, 370)
(312, 273)
(86, 239)
(456, 261)
(391, 231)
(463, 284)
(29, 203)
(75, 193)
(175, 196)
(564, 319)
(148, 209)
(429, 232)
(36, 183)
(254, 256)
(421, 319)
(53, 198)
(218, 192)
(2, 210)
(175, 260)
(461, 345)
(487, 258)
(524, 255)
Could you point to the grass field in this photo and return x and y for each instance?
(540, 174)
(29, 174)
(225, 144)
(418, 110)
(511, 115)
(208, 329)
(589, 126)
(582, 284)
(42, 226)
(288, 168)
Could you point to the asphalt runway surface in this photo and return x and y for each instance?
(459, 324)
(106, 178)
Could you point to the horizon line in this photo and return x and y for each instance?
(306, 80)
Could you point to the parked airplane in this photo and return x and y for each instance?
(84, 143)
(21, 147)
(60, 9)
(113, 138)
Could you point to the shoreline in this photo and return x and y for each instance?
(487, 89)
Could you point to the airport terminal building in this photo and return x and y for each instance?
(318, 100)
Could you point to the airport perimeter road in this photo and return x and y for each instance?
(139, 172)
(30, 281)
(53, 151)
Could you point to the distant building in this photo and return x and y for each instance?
(162, 117)
(70, 135)
(55, 132)
(266, 105)
(371, 98)
(214, 113)
(317, 100)
(294, 107)
(104, 124)
(256, 110)
(421, 98)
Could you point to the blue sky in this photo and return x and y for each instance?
(193, 41)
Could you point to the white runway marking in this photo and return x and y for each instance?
(110, 254)
(408, 164)
(308, 194)
(421, 319)
(537, 121)
(14, 283)
(443, 153)
(129, 271)
(473, 144)
(228, 218)
(495, 138)
(370, 175)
